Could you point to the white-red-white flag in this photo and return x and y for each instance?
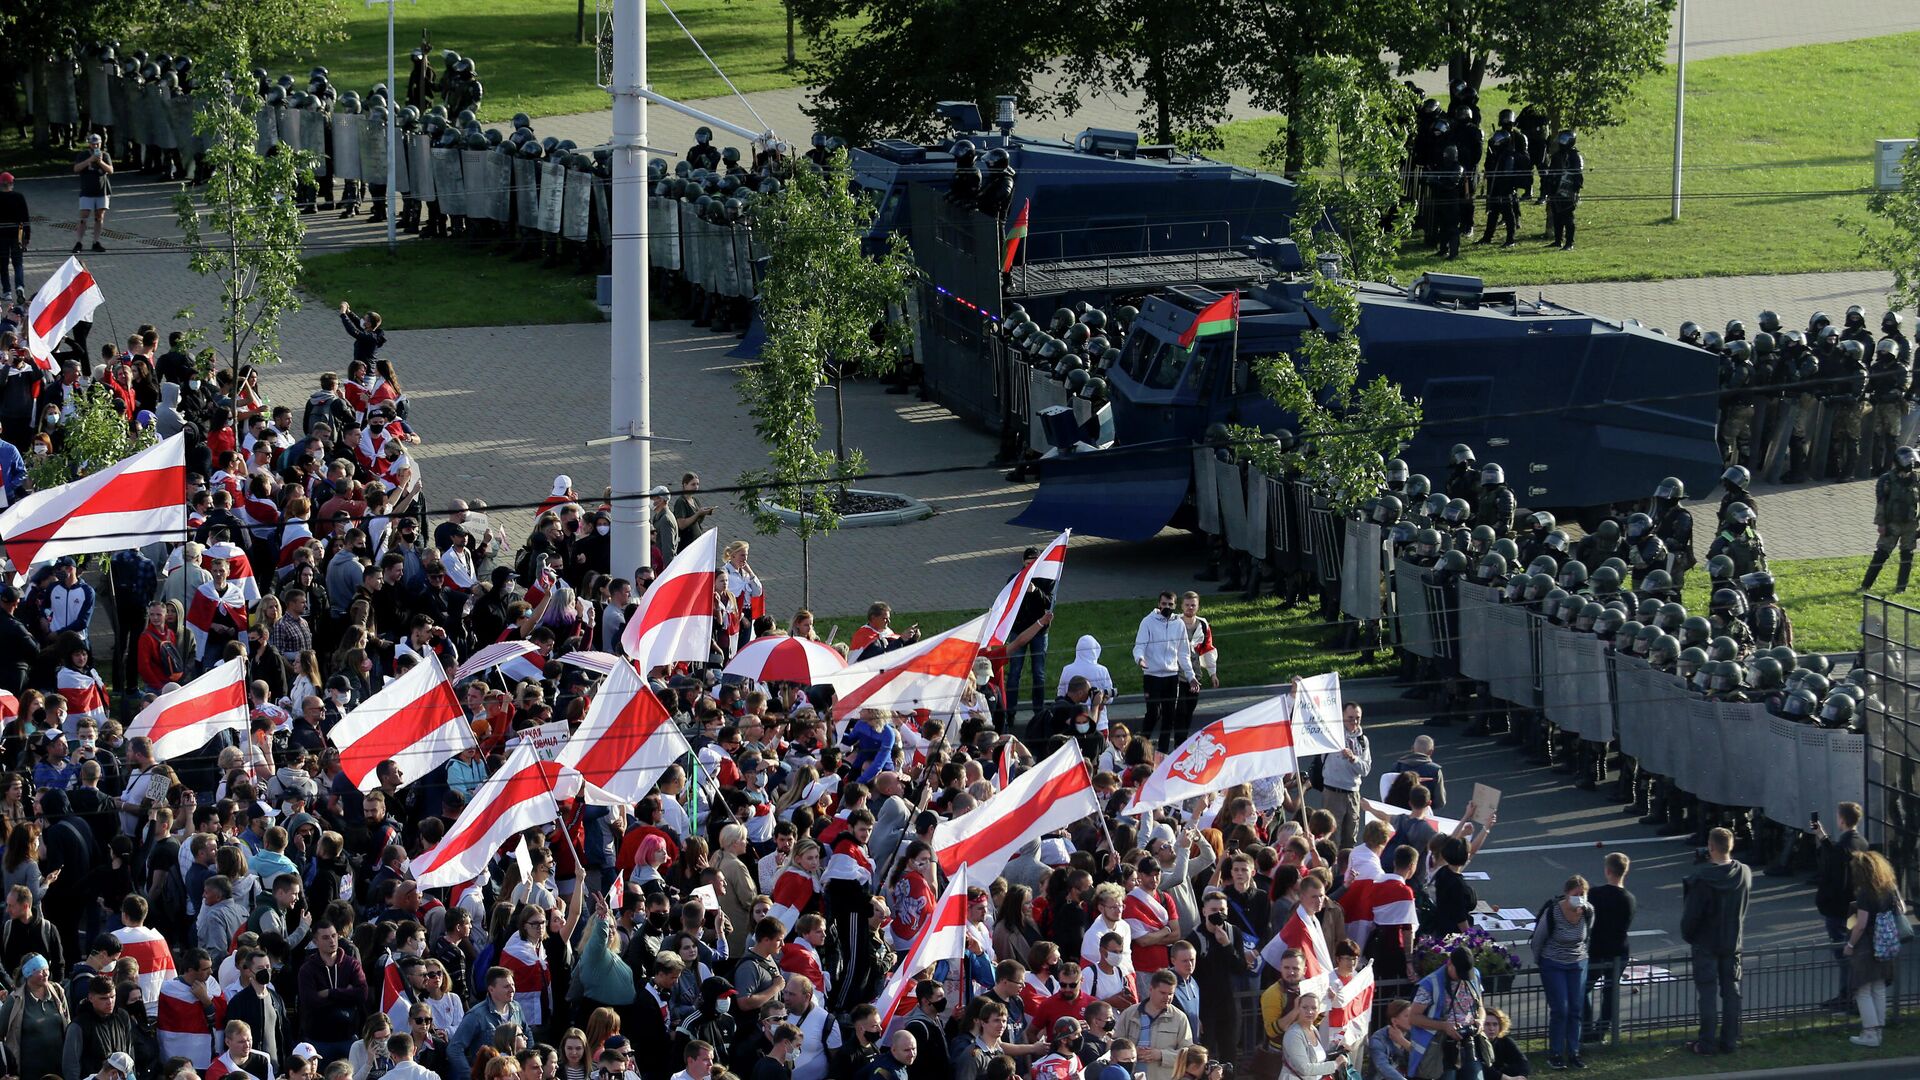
(66, 300)
(929, 674)
(294, 535)
(675, 620)
(1303, 932)
(140, 499)
(239, 568)
(1222, 754)
(1349, 1007)
(523, 795)
(624, 743)
(1006, 606)
(183, 719)
(942, 937)
(1051, 795)
(415, 721)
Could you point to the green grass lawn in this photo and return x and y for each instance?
(1260, 645)
(1763, 131)
(1822, 596)
(1762, 1046)
(431, 284)
(525, 55)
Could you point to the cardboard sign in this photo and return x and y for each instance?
(1486, 803)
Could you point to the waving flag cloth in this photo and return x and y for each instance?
(624, 743)
(675, 620)
(593, 660)
(1349, 1007)
(1016, 232)
(1006, 606)
(929, 674)
(1051, 795)
(1219, 317)
(415, 720)
(793, 893)
(294, 535)
(1251, 744)
(186, 718)
(394, 1000)
(138, 500)
(149, 948)
(66, 300)
(239, 568)
(522, 795)
(944, 937)
(1317, 725)
(215, 603)
(1302, 932)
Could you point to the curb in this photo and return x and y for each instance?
(915, 510)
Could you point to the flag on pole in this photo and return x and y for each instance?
(931, 673)
(1251, 744)
(1317, 724)
(1006, 606)
(624, 743)
(617, 893)
(1219, 317)
(521, 796)
(1051, 795)
(675, 620)
(1004, 772)
(138, 500)
(415, 720)
(944, 937)
(1015, 234)
(498, 653)
(185, 718)
(393, 992)
(66, 300)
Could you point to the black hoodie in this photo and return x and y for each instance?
(1715, 915)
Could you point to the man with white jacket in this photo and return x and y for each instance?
(1165, 657)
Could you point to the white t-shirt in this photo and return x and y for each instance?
(1090, 942)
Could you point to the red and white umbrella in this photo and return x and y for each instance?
(780, 658)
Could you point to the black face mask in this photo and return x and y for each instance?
(658, 920)
(1218, 918)
(262, 977)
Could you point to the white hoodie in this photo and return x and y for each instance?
(1086, 661)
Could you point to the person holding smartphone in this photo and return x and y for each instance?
(96, 190)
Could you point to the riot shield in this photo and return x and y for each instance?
(690, 245)
(1509, 654)
(123, 119)
(1706, 776)
(181, 107)
(100, 98)
(500, 185)
(160, 117)
(1823, 438)
(287, 123)
(419, 151)
(266, 129)
(576, 207)
(1413, 628)
(346, 144)
(373, 151)
(663, 232)
(1578, 694)
(1743, 744)
(1910, 426)
(1779, 434)
(1233, 506)
(1259, 543)
(402, 162)
(603, 208)
(63, 100)
(1784, 802)
(553, 186)
(1360, 571)
(475, 171)
(1763, 412)
(526, 192)
(313, 138)
(449, 181)
(1475, 629)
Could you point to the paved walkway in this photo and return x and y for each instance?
(1715, 28)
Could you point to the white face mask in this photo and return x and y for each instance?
(1114, 958)
(603, 529)
(723, 1006)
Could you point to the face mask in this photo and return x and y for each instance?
(658, 920)
(261, 977)
(40, 450)
(1113, 958)
(793, 1056)
(723, 1006)
(1218, 918)
(1081, 726)
(603, 529)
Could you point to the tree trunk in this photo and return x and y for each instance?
(1295, 162)
(1157, 87)
(42, 138)
(839, 415)
(580, 25)
(806, 571)
(790, 58)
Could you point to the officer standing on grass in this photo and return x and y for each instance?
(1896, 511)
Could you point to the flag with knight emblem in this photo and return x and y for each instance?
(1253, 743)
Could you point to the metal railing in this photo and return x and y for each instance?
(1782, 989)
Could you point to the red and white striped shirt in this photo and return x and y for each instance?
(150, 950)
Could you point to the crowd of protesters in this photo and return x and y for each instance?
(247, 908)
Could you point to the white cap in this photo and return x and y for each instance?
(120, 1062)
(1054, 851)
(1160, 831)
(306, 1052)
(660, 491)
(562, 484)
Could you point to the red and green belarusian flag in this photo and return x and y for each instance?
(1015, 233)
(1219, 317)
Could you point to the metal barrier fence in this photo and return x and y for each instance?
(1889, 633)
(1782, 989)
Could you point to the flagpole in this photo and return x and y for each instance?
(1100, 812)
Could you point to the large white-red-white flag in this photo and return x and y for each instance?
(138, 500)
(1252, 744)
(942, 937)
(624, 743)
(183, 719)
(1051, 795)
(523, 795)
(66, 300)
(1302, 931)
(675, 620)
(1349, 1008)
(415, 721)
(929, 674)
(1006, 606)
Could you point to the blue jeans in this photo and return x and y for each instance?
(1566, 987)
(1472, 1070)
(1017, 662)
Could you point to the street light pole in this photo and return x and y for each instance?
(631, 467)
(393, 110)
(1679, 108)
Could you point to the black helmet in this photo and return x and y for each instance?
(1456, 512)
(1890, 323)
(1492, 473)
(1418, 487)
(1543, 564)
(1555, 541)
(1566, 139)
(1864, 678)
(1427, 541)
(1386, 509)
(1614, 563)
(1539, 587)
(1638, 525)
(1904, 457)
(1663, 649)
(1758, 585)
(1838, 710)
(1736, 476)
(1736, 330)
(1723, 647)
(1461, 454)
(1506, 118)
(1600, 620)
(1856, 315)
(1670, 617)
(1765, 344)
(1507, 549)
(1817, 663)
(1739, 352)
(1793, 338)
(1436, 505)
(703, 135)
(1397, 471)
(1817, 322)
(1741, 514)
(1491, 567)
(1711, 341)
(1670, 488)
(1799, 704)
(1604, 580)
(1690, 666)
(1695, 630)
(1789, 660)
(1450, 154)
(998, 159)
(1826, 337)
(1573, 575)
(1766, 672)
(1769, 322)
(1540, 521)
(1887, 348)
(1454, 562)
(1690, 332)
(1720, 569)
(1650, 554)
(1854, 351)
(1441, 126)
(1482, 538)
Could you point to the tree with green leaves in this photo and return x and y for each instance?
(1580, 59)
(830, 311)
(247, 236)
(877, 67)
(1181, 59)
(1894, 240)
(1283, 39)
(249, 33)
(1350, 126)
(95, 436)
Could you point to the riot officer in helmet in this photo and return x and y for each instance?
(819, 154)
(1569, 172)
(1463, 473)
(1472, 145)
(1601, 544)
(1736, 481)
(1533, 124)
(1736, 400)
(1690, 333)
(1896, 514)
(1765, 617)
(1497, 502)
(1801, 370)
(1846, 385)
(1673, 524)
(1887, 388)
(1507, 172)
(1891, 329)
(703, 154)
(1448, 193)
(1856, 327)
(1736, 331)
(966, 174)
(1740, 540)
